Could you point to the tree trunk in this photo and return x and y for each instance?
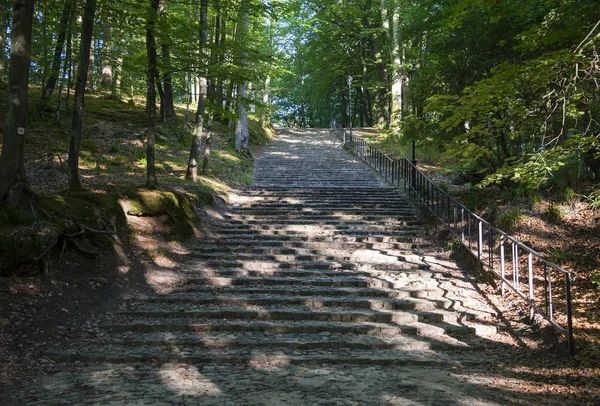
(82, 74)
(151, 74)
(242, 136)
(214, 58)
(92, 57)
(397, 69)
(382, 94)
(167, 105)
(107, 49)
(14, 187)
(220, 86)
(199, 139)
(69, 62)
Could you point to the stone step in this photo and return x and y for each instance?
(272, 357)
(313, 243)
(305, 253)
(403, 278)
(375, 223)
(296, 282)
(409, 303)
(291, 235)
(259, 342)
(339, 228)
(374, 207)
(263, 262)
(308, 291)
(308, 311)
(465, 329)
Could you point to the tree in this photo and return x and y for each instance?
(82, 75)
(199, 138)
(242, 136)
(167, 106)
(14, 187)
(57, 60)
(151, 75)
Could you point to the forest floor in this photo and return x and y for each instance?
(561, 224)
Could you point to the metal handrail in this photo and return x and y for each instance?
(519, 267)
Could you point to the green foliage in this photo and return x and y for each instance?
(593, 200)
(557, 255)
(596, 279)
(552, 214)
(509, 219)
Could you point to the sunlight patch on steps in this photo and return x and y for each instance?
(187, 380)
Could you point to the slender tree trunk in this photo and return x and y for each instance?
(69, 60)
(117, 72)
(220, 86)
(199, 140)
(214, 51)
(107, 57)
(14, 187)
(397, 68)
(167, 105)
(382, 94)
(241, 126)
(82, 74)
(92, 58)
(152, 73)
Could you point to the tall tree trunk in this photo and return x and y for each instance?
(167, 105)
(220, 86)
(199, 139)
(152, 73)
(242, 136)
(214, 51)
(382, 94)
(69, 61)
(117, 72)
(82, 74)
(92, 58)
(397, 67)
(14, 187)
(266, 89)
(107, 55)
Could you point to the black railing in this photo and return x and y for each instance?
(544, 285)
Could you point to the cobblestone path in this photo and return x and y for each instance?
(320, 289)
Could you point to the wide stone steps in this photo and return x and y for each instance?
(296, 282)
(409, 302)
(301, 252)
(310, 217)
(307, 291)
(323, 236)
(439, 330)
(258, 342)
(308, 311)
(312, 243)
(263, 262)
(272, 356)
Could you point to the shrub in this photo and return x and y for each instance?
(552, 214)
(508, 219)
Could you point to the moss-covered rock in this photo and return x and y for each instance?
(177, 205)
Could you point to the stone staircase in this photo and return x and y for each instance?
(319, 267)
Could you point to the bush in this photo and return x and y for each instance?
(552, 214)
(509, 219)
